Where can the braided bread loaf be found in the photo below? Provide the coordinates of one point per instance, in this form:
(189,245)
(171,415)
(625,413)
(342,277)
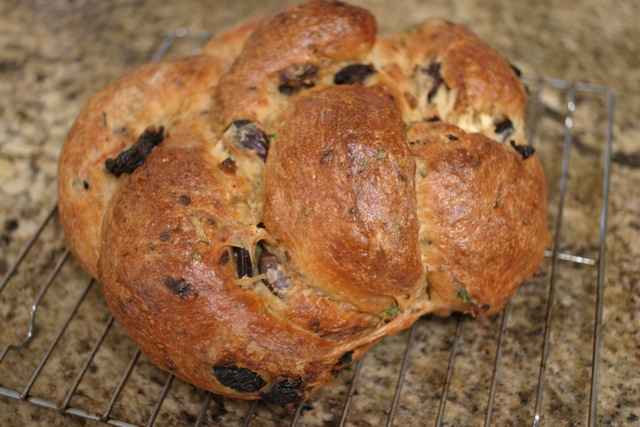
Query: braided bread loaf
(259,215)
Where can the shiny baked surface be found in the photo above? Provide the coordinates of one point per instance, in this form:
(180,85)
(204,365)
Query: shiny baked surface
(274,208)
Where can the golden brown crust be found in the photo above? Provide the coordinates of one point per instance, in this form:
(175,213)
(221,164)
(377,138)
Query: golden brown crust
(287,53)
(482,210)
(173,284)
(316,188)
(169,94)
(172,270)
(339,165)
(483,79)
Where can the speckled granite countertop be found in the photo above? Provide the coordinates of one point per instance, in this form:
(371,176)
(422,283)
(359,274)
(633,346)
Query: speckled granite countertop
(56,53)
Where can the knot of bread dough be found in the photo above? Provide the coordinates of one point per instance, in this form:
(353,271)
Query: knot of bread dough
(261,214)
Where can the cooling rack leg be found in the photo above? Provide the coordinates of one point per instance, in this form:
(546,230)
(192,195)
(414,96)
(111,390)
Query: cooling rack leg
(403,372)
(496,365)
(534,109)
(447,381)
(568,124)
(352,389)
(250,412)
(597,333)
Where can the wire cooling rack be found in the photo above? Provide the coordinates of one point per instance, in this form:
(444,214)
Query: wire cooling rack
(536,363)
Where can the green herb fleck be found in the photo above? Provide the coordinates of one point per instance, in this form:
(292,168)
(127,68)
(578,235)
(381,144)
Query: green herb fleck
(381,154)
(463,294)
(423,173)
(392,310)
(363,165)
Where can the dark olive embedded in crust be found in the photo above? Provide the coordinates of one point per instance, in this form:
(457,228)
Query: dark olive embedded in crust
(239,379)
(134,157)
(243,261)
(180,287)
(356,73)
(346,358)
(434,72)
(284,392)
(297,77)
(269,265)
(248,135)
(504,129)
(525,151)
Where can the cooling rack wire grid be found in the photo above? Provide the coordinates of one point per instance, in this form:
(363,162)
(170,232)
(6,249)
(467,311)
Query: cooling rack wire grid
(455,371)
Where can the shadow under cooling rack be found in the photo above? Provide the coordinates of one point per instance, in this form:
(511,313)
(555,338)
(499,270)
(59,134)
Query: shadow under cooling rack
(539,360)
